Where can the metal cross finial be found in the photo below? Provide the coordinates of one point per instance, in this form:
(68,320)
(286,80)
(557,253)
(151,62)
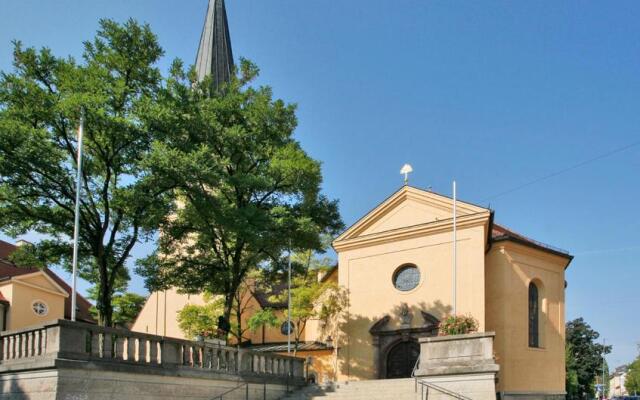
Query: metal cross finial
(406,170)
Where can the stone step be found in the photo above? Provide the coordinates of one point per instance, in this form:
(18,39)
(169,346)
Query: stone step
(393,389)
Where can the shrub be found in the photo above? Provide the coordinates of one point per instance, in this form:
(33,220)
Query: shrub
(458,325)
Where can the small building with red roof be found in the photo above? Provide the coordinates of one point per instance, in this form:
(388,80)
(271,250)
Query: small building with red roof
(30,296)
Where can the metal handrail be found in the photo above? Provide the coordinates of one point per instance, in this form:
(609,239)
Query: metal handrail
(244,384)
(440,389)
(432,386)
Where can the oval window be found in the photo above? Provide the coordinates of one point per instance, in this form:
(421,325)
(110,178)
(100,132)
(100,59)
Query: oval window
(284,326)
(40,308)
(406,277)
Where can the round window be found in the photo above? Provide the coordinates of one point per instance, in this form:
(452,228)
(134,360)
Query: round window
(40,308)
(406,277)
(284,326)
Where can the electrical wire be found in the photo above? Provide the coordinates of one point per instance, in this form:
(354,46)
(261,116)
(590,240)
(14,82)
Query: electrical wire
(562,171)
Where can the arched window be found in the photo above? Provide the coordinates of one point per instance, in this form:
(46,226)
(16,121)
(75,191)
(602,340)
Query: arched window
(534,316)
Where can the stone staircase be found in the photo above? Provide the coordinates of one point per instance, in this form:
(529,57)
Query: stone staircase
(394,389)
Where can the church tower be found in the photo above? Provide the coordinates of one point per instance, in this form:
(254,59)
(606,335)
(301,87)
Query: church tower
(215,57)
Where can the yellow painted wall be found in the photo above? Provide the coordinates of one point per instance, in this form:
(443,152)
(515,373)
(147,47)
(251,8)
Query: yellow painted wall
(160,304)
(367,274)
(21,298)
(510,269)
(152,317)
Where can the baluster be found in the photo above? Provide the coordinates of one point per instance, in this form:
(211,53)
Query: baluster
(23,345)
(95,344)
(219,360)
(186,354)
(43,338)
(119,347)
(234,361)
(14,346)
(208,358)
(153,352)
(27,344)
(131,348)
(107,351)
(3,355)
(142,350)
(10,347)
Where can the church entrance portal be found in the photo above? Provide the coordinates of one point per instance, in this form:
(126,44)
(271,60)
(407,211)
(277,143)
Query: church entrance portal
(396,348)
(401,359)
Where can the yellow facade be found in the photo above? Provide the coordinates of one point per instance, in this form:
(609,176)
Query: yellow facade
(25,290)
(511,268)
(493,271)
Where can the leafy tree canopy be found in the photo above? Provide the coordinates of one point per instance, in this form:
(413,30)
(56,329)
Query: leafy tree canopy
(40,106)
(632,381)
(247,191)
(585,358)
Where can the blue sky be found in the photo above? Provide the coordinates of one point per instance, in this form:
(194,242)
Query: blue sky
(493,94)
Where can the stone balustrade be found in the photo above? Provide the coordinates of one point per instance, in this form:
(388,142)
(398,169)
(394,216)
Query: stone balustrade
(66,340)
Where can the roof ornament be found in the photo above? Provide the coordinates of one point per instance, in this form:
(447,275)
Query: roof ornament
(406,170)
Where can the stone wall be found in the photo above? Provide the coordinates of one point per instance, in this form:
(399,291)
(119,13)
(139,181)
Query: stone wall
(458,365)
(97,384)
(70,360)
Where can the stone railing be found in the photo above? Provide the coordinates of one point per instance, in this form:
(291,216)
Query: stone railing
(66,340)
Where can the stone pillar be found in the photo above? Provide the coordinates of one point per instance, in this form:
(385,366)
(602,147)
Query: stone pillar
(461,364)
(170,353)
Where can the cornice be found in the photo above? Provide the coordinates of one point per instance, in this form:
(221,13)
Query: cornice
(429,228)
(435,200)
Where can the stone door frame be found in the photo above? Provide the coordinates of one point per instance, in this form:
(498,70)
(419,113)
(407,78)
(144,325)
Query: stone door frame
(385,339)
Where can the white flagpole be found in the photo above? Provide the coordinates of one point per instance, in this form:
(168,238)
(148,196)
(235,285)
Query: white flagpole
(455,249)
(289,305)
(76,226)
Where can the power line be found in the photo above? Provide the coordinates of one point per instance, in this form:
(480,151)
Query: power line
(562,171)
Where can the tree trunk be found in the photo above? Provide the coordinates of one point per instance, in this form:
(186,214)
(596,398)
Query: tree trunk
(239,322)
(105,309)
(228,308)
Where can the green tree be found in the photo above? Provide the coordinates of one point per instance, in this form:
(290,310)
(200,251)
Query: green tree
(202,320)
(307,291)
(632,381)
(126,305)
(247,190)
(40,106)
(586,356)
(571,383)
(262,318)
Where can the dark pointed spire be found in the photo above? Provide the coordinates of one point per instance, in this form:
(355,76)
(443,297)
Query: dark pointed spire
(215,57)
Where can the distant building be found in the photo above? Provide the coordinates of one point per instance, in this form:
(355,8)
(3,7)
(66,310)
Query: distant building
(30,296)
(617,380)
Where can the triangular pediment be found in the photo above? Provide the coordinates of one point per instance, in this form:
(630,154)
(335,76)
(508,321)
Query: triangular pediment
(40,280)
(408,207)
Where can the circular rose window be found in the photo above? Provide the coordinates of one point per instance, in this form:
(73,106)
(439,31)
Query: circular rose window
(285,328)
(40,308)
(406,278)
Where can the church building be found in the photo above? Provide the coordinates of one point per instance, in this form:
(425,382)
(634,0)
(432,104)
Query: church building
(396,263)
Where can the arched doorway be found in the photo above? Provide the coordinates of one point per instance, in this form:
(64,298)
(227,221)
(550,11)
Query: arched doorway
(401,358)
(385,339)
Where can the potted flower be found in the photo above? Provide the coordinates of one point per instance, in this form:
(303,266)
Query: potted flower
(458,325)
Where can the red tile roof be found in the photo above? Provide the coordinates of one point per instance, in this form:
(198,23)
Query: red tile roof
(500,232)
(9,270)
